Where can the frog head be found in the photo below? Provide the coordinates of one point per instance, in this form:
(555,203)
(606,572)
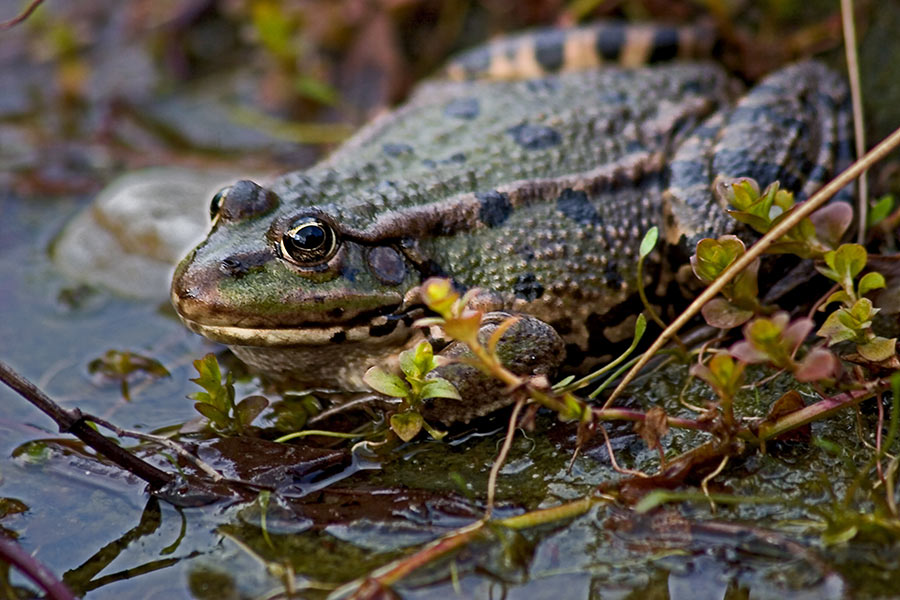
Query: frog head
(291,286)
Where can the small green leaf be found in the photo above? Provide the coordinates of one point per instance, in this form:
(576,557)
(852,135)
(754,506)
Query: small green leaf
(424,358)
(839,536)
(407,425)
(722,314)
(386,383)
(881,209)
(870,281)
(210,377)
(842,297)
(567,380)
(649,241)
(714,256)
(436,434)
(640,326)
(573,408)
(834,330)
(217,417)
(878,349)
(408,363)
(249,408)
(848,260)
(439,388)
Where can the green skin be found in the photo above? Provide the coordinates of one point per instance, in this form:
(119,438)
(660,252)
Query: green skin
(535,192)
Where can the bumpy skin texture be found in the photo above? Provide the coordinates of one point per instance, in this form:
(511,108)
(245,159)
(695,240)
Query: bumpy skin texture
(538,192)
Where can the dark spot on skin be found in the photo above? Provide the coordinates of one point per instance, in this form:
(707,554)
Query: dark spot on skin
(384,329)
(495,208)
(613,98)
(527,287)
(575,205)
(665,44)
(635,146)
(610,41)
(457,158)
(429,163)
(612,277)
(238,265)
(339,337)
(526,252)
(387,264)
(692,86)
(394,150)
(336,313)
(542,85)
(548,49)
(534,137)
(462,108)
(245,200)
(562,326)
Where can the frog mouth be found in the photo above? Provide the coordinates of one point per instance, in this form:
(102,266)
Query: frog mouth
(365,328)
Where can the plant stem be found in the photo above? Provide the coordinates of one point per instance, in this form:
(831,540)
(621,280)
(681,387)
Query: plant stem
(72,421)
(13,554)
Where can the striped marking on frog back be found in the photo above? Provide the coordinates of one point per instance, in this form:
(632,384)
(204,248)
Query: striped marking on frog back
(543,51)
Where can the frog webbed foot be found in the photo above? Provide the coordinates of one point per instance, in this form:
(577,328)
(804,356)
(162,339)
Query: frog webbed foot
(529,347)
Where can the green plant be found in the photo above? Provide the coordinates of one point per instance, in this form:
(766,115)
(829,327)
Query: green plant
(217,404)
(853,320)
(412,389)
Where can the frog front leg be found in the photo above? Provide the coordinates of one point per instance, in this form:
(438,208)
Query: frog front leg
(529,347)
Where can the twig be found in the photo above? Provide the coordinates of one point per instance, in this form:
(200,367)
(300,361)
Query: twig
(704,485)
(802,211)
(13,554)
(72,421)
(859,131)
(4,25)
(501,458)
(383,578)
(162,441)
(612,457)
(822,409)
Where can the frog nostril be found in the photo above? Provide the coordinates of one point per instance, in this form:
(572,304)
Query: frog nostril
(233,266)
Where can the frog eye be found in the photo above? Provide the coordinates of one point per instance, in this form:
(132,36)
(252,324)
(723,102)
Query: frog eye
(215,205)
(309,241)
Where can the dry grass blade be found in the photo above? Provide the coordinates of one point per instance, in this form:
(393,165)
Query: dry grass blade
(859,131)
(4,25)
(501,458)
(804,210)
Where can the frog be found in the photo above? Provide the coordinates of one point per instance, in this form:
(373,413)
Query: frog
(529,172)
